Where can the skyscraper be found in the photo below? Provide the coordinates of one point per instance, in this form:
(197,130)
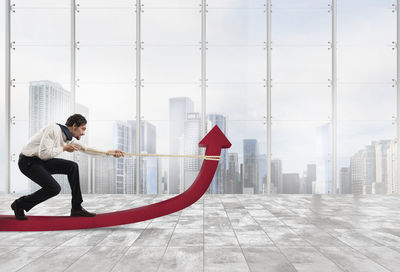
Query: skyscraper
(122,140)
(49,103)
(311,177)
(323,183)
(357,172)
(192,137)
(262,173)
(381,153)
(276,176)
(216,186)
(250,164)
(179,107)
(344,179)
(232,183)
(370,168)
(148,165)
(393,182)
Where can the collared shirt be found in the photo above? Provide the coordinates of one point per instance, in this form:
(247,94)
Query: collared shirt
(48,143)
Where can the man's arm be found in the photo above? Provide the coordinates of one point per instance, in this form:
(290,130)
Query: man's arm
(92,151)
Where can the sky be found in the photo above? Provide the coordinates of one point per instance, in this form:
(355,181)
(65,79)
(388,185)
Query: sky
(236,68)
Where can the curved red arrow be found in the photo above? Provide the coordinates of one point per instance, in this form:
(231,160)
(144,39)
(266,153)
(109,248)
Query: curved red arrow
(214,141)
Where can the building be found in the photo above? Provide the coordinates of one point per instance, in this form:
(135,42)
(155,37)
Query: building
(250,165)
(345,181)
(381,169)
(276,176)
(357,172)
(179,107)
(232,183)
(216,186)
(311,177)
(393,182)
(49,103)
(192,137)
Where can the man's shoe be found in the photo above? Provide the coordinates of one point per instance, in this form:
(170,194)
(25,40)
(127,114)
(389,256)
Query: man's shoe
(19,212)
(82,212)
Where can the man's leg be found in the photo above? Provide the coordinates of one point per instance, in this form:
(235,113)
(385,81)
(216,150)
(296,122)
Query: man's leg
(70,168)
(33,168)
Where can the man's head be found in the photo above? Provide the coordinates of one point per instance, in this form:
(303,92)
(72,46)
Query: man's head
(76,125)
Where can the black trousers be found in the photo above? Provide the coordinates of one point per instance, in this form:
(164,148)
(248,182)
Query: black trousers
(40,172)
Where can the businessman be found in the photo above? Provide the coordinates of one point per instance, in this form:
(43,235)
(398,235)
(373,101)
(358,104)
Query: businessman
(37,161)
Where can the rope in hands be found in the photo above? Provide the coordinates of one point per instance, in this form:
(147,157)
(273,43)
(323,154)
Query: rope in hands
(210,158)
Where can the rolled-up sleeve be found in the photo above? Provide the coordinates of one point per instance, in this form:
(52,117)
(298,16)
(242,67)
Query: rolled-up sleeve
(47,150)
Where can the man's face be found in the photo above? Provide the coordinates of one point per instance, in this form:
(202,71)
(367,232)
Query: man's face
(77,132)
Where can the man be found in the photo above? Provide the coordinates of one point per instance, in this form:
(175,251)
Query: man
(37,161)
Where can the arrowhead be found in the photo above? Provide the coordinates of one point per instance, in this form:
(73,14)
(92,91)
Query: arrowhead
(215,137)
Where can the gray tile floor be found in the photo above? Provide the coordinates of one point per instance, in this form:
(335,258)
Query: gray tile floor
(218,233)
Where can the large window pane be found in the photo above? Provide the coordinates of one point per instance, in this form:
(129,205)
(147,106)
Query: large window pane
(236,27)
(367,157)
(305,4)
(301,64)
(301,157)
(367,22)
(171,94)
(106,26)
(41,26)
(171,26)
(366,134)
(294,27)
(175,64)
(361,64)
(242,168)
(236,64)
(106,64)
(31,63)
(368,102)
(301,102)
(103,106)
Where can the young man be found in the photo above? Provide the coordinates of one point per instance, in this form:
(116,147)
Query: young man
(37,161)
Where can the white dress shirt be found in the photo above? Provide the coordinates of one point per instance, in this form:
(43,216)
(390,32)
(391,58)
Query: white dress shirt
(48,143)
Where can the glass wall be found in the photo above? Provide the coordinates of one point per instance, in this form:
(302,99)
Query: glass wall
(171,93)
(236,92)
(301,97)
(366,97)
(49,70)
(40,74)
(106,92)
(2,107)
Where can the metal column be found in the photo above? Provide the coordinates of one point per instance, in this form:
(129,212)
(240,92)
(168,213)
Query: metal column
(138,91)
(398,94)
(268,85)
(7,97)
(334,95)
(73,56)
(203,68)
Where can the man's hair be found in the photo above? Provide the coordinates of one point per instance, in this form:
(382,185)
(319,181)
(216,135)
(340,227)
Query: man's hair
(77,119)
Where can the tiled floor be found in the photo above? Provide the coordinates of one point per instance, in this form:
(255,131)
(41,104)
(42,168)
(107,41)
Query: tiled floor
(218,233)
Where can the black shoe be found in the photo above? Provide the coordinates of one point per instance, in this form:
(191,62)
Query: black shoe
(81,212)
(19,212)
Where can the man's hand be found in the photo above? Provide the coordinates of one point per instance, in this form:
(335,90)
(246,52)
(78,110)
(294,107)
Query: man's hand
(70,148)
(117,153)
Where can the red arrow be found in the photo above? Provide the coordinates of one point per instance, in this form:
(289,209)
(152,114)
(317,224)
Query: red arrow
(214,141)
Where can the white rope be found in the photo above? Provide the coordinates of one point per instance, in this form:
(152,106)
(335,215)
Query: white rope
(210,158)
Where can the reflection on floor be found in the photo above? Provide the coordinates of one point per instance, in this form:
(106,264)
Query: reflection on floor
(218,233)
